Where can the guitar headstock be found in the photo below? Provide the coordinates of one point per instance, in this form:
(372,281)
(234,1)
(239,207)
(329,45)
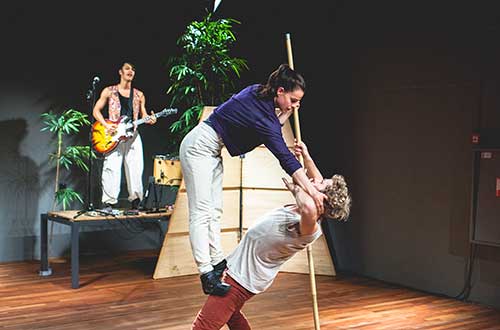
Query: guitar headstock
(165,112)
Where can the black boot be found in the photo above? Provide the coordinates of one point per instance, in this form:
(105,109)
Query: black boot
(220,268)
(212,285)
(134,205)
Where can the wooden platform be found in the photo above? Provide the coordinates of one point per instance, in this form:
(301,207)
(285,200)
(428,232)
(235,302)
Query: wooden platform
(118,293)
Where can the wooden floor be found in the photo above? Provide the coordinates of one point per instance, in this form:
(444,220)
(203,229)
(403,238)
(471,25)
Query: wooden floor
(119,293)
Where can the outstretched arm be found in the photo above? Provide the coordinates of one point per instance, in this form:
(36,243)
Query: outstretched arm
(307,208)
(309,173)
(312,171)
(275,143)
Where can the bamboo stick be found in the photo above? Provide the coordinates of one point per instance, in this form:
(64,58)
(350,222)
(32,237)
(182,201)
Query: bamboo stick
(312,278)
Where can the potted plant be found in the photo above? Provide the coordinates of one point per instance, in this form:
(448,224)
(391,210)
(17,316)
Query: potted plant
(203,73)
(66,124)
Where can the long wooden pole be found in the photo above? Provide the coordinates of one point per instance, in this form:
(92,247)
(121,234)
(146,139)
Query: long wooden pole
(312,278)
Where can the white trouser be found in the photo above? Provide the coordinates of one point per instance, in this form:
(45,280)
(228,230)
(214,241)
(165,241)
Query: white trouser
(128,153)
(201,162)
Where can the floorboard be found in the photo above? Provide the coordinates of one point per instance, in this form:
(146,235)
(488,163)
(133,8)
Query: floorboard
(118,293)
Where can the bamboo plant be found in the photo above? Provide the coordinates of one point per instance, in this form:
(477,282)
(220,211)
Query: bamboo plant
(204,72)
(63,125)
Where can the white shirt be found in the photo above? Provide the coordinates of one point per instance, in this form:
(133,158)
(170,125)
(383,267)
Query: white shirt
(271,241)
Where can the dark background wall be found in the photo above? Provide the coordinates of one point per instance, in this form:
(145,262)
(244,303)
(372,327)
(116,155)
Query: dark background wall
(395,89)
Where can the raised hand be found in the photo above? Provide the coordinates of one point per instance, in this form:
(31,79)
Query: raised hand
(300,149)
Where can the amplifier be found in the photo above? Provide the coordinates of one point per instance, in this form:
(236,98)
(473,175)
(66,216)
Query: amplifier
(167,171)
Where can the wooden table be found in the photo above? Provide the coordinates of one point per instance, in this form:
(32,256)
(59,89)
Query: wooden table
(68,218)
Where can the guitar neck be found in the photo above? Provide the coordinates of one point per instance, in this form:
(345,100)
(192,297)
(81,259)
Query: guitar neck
(143,120)
(163,113)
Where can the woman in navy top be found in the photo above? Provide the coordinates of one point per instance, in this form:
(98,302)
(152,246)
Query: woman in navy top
(245,121)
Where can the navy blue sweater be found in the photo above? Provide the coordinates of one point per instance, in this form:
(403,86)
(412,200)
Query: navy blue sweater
(246,121)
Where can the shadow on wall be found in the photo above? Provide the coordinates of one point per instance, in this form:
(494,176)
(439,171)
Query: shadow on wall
(19,190)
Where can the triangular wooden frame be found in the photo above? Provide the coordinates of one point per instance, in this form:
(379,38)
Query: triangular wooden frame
(258,176)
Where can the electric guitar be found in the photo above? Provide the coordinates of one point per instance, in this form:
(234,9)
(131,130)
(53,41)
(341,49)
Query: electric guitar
(104,142)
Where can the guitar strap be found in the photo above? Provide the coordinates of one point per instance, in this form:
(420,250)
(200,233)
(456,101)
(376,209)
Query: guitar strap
(131,101)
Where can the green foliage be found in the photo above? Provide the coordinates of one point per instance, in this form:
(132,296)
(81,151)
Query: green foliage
(67,123)
(77,155)
(65,196)
(204,72)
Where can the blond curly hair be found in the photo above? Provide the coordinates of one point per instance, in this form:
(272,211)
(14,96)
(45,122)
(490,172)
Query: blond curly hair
(338,204)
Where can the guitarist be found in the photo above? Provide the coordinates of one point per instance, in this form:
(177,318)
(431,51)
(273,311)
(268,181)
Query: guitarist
(123,99)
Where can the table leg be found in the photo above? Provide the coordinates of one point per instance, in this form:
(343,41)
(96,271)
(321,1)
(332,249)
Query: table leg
(75,255)
(45,270)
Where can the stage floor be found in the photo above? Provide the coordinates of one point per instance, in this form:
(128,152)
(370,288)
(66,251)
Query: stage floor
(118,292)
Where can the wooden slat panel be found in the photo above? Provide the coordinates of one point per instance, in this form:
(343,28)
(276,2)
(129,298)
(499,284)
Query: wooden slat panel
(176,258)
(262,170)
(179,221)
(257,202)
(232,170)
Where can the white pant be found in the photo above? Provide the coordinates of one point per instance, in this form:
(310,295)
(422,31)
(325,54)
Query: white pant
(128,153)
(201,162)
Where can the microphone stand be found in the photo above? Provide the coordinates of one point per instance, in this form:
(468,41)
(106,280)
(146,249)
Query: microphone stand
(91,100)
